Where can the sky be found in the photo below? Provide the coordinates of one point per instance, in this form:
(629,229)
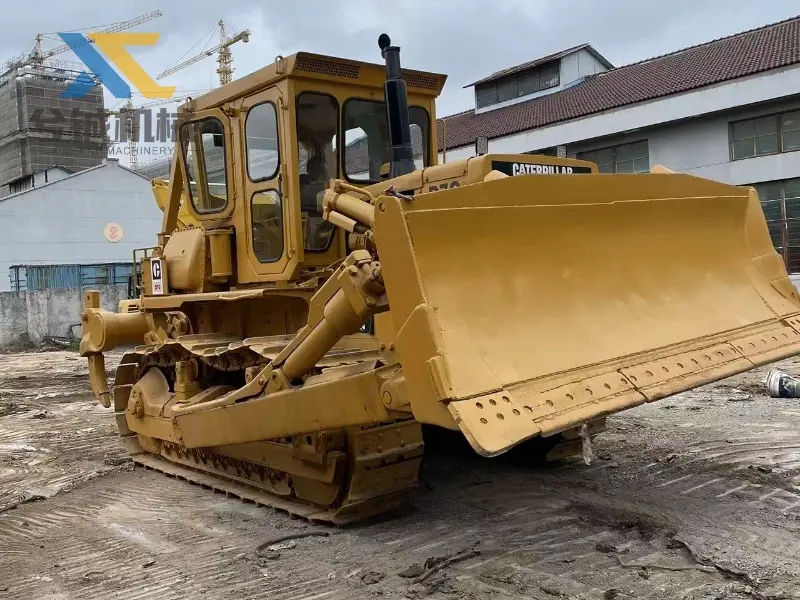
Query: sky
(465,39)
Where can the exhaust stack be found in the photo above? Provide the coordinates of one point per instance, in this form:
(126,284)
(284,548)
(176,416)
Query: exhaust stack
(401,155)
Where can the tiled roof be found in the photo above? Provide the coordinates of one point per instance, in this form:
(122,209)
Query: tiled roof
(769,47)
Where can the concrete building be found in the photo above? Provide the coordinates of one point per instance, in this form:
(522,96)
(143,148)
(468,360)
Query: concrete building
(95,216)
(40,129)
(728,110)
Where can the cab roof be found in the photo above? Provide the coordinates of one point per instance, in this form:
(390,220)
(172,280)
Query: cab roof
(316,66)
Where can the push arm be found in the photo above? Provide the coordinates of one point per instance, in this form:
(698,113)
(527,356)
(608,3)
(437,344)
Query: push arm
(342,305)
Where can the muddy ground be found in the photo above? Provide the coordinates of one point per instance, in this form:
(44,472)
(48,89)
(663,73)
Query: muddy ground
(696,496)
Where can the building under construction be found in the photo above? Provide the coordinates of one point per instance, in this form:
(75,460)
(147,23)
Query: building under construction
(40,129)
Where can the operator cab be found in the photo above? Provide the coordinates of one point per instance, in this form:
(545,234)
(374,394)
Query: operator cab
(257,155)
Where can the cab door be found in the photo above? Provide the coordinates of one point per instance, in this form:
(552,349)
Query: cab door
(270,252)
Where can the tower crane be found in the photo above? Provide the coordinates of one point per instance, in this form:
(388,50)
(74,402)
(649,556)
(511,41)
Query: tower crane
(38,56)
(223,51)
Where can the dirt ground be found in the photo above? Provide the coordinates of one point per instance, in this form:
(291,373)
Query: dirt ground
(696,496)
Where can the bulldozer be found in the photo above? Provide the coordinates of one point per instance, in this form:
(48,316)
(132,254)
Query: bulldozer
(322,287)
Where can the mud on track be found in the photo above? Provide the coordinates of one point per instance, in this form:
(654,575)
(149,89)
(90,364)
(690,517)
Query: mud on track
(694,496)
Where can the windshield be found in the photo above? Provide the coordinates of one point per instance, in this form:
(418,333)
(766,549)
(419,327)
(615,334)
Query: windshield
(203,145)
(366,139)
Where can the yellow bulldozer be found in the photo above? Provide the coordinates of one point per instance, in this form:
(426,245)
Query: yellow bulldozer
(321,288)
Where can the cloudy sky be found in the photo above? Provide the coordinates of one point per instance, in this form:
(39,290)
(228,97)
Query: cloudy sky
(465,39)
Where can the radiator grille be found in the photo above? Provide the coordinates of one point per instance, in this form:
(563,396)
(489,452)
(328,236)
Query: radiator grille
(421,81)
(326,66)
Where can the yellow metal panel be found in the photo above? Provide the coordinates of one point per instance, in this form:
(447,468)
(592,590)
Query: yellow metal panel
(155,427)
(769,345)
(353,400)
(533,283)
(378,482)
(161,191)
(493,422)
(185,259)
(563,278)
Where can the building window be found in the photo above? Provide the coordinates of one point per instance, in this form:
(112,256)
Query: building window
(765,135)
(517,85)
(624,158)
(486,95)
(20,185)
(507,89)
(780,201)
(790,131)
(549,76)
(528,82)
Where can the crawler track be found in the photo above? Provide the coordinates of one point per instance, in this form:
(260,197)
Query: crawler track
(363,490)
(248,493)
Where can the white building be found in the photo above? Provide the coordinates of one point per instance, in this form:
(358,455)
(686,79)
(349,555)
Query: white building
(728,110)
(81,222)
(35,179)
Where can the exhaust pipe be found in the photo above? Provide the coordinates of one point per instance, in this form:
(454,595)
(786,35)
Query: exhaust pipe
(394,89)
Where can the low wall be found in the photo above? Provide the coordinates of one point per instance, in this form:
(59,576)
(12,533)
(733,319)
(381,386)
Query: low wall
(30,317)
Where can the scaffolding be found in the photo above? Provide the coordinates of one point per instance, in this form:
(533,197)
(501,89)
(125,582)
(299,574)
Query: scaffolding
(40,129)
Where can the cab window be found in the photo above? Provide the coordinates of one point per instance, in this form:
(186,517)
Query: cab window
(317,123)
(267,219)
(261,138)
(366,139)
(203,144)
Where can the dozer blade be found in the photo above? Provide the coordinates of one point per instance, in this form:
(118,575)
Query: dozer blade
(529,305)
